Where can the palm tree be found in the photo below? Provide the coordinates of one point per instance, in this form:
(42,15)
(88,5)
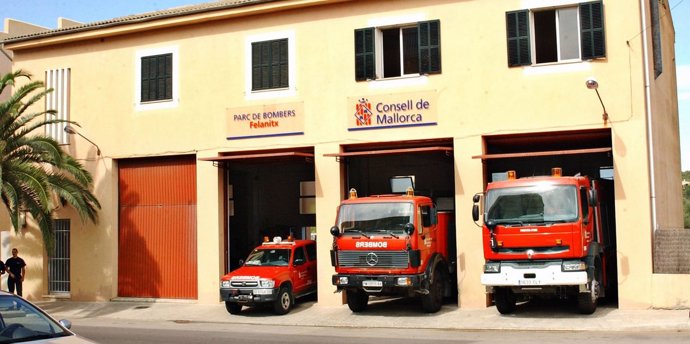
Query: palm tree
(37,176)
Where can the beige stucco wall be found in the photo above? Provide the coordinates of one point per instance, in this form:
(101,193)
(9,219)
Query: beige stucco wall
(477,95)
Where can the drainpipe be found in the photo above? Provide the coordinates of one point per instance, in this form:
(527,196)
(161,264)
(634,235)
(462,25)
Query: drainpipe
(648,108)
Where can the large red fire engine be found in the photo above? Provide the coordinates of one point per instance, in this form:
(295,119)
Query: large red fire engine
(392,245)
(544,235)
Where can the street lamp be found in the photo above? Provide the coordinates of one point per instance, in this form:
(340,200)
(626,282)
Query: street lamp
(70,130)
(592,84)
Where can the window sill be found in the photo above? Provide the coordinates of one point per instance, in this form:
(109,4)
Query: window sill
(401,81)
(558,67)
(156,105)
(271,93)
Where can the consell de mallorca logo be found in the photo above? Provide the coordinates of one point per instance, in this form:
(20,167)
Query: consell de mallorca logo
(394,111)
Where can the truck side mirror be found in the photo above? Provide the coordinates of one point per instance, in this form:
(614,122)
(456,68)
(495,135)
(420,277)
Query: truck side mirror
(409,228)
(475,212)
(298,262)
(335,231)
(476,198)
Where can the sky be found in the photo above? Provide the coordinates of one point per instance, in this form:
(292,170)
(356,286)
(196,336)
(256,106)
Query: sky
(46,12)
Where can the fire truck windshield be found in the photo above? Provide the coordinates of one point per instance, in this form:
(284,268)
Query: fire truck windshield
(363,218)
(268,257)
(545,203)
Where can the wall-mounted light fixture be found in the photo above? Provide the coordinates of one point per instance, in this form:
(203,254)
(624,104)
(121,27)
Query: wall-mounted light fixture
(592,84)
(70,130)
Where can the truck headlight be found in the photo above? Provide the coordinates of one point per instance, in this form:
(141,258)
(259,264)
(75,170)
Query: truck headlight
(267,283)
(225,284)
(492,267)
(573,265)
(342,280)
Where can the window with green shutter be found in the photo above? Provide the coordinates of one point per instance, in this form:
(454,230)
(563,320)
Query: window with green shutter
(156,77)
(552,35)
(365,63)
(270,65)
(592,30)
(429,47)
(405,50)
(517,28)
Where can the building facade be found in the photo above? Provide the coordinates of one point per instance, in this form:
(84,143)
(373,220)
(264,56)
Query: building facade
(217,124)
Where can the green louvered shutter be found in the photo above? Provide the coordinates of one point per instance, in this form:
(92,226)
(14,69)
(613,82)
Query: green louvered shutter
(365,63)
(270,65)
(429,46)
(517,28)
(592,30)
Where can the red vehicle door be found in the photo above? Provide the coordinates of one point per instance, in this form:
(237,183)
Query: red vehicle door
(300,271)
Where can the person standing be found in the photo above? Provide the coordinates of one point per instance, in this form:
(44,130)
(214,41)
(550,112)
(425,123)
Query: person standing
(16,268)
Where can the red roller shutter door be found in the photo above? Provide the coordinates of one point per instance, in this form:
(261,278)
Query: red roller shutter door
(157,228)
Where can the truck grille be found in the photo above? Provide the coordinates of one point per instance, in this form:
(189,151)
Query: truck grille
(373,259)
(241,284)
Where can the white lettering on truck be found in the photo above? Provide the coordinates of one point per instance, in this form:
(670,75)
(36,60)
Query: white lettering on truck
(371,244)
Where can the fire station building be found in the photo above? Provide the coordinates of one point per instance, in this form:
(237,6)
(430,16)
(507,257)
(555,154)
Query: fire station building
(210,126)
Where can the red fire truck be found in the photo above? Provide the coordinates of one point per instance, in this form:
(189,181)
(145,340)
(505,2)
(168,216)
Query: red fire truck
(544,236)
(392,245)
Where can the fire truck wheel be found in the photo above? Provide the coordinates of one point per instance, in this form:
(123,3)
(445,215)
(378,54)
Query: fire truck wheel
(233,308)
(357,300)
(587,302)
(505,300)
(283,303)
(432,302)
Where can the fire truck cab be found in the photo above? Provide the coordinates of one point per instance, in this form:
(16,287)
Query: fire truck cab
(543,236)
(392,245)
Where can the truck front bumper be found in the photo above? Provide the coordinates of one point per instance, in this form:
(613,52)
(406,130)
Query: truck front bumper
(376,283)
(533,274)
(248,296)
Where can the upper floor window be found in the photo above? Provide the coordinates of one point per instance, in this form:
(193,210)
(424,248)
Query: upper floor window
(270,64)
(58,103)
(556,35)
(157,78)
(389,52)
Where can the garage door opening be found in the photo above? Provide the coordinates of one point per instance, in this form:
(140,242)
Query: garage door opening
(268,194)
(368,168)
(586,153)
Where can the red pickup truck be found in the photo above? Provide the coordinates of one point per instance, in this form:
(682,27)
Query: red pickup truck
(276,272)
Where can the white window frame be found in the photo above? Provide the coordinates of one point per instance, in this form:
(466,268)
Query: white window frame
(291,90)
(379,51)
(406,80)
(160,104)
(533,40)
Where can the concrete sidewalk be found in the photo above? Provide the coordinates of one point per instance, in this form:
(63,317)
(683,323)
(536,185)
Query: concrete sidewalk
(384,314)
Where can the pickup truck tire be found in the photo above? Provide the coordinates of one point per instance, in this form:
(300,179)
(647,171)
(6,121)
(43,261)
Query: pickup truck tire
(505,300)
(233,308)
(357,300)
(433,301)
(284,301)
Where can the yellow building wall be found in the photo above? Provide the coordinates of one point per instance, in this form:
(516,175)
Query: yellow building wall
(477,95)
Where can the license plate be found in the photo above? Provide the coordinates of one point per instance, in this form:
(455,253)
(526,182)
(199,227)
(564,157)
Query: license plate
(528,282)
(372,283)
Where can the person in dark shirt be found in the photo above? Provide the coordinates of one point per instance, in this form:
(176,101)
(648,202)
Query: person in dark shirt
(16,268)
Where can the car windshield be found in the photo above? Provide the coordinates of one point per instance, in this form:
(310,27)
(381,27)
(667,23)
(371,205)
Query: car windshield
(375,217)
(268,257)
(20,321)
(532,204)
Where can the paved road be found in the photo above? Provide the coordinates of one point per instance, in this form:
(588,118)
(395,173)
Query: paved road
(128,332)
